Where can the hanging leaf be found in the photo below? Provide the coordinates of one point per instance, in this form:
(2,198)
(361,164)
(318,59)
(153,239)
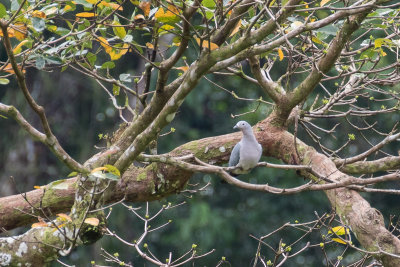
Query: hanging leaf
(86,15)
(115,89)
(3,11)
(165,29)
(138,18)
(170,16)
(379,42)
(114,6)
(18,48)
(8,68)
(119,31)
(116,53)
(104,43)
(20,30)
(92,221)
(236,29)
(4,81)
(316,40)
(145,6)
(280,53)
(72,174)
(38,14)
(150,46)
(339,230)
(183,68)
(206,44)
(112,169)
(338,240)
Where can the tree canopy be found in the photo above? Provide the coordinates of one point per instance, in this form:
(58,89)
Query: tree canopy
(318,79)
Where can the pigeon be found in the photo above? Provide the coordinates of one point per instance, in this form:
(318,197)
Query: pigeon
(247,152)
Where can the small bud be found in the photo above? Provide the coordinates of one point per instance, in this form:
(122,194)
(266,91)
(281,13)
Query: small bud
(194,246)
(116,254)
(145,245)
(223,258)
(321,245)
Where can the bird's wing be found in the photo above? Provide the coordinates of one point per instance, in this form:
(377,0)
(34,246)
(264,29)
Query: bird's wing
(235,156)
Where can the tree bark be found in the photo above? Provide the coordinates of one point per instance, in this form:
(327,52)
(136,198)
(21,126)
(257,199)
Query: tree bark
(158,180)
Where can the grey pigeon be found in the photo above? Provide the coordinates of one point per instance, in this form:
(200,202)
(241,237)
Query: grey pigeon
(247,152)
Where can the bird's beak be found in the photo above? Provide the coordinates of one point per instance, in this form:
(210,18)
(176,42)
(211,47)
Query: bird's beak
(235,127)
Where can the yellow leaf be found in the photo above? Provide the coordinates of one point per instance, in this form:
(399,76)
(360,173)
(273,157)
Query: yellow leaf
(339,230)
(205,44)
(165,28)
(93,2)
(37,186)
(98,169)
(67,8)
(145,6)
(338,240)
(18,49)
(86,15)
(236,29)
(38,14)
(64,216)
(18,30)
(92,221)
(119,31)
(114,6)
(39,224)
(316,40)
(280,53)
(323,2)
(138,17)
(169,16)
(8,68)
(149,45)
(117,53)
(112,169)
(183,68)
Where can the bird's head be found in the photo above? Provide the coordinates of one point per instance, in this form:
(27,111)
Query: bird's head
(242,125)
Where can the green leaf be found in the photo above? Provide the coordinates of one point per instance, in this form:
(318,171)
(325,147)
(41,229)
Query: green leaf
(100,175)
(119,31)
(40,62)
(4,81)
(208,3)
(108,65)
(125,77)
(382,41)
(14,5)
(91,58)
(72,174)
(3,11)
(60,184)
(112,169)
(39,24)
(84,3)
(329,29)
(115,89)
